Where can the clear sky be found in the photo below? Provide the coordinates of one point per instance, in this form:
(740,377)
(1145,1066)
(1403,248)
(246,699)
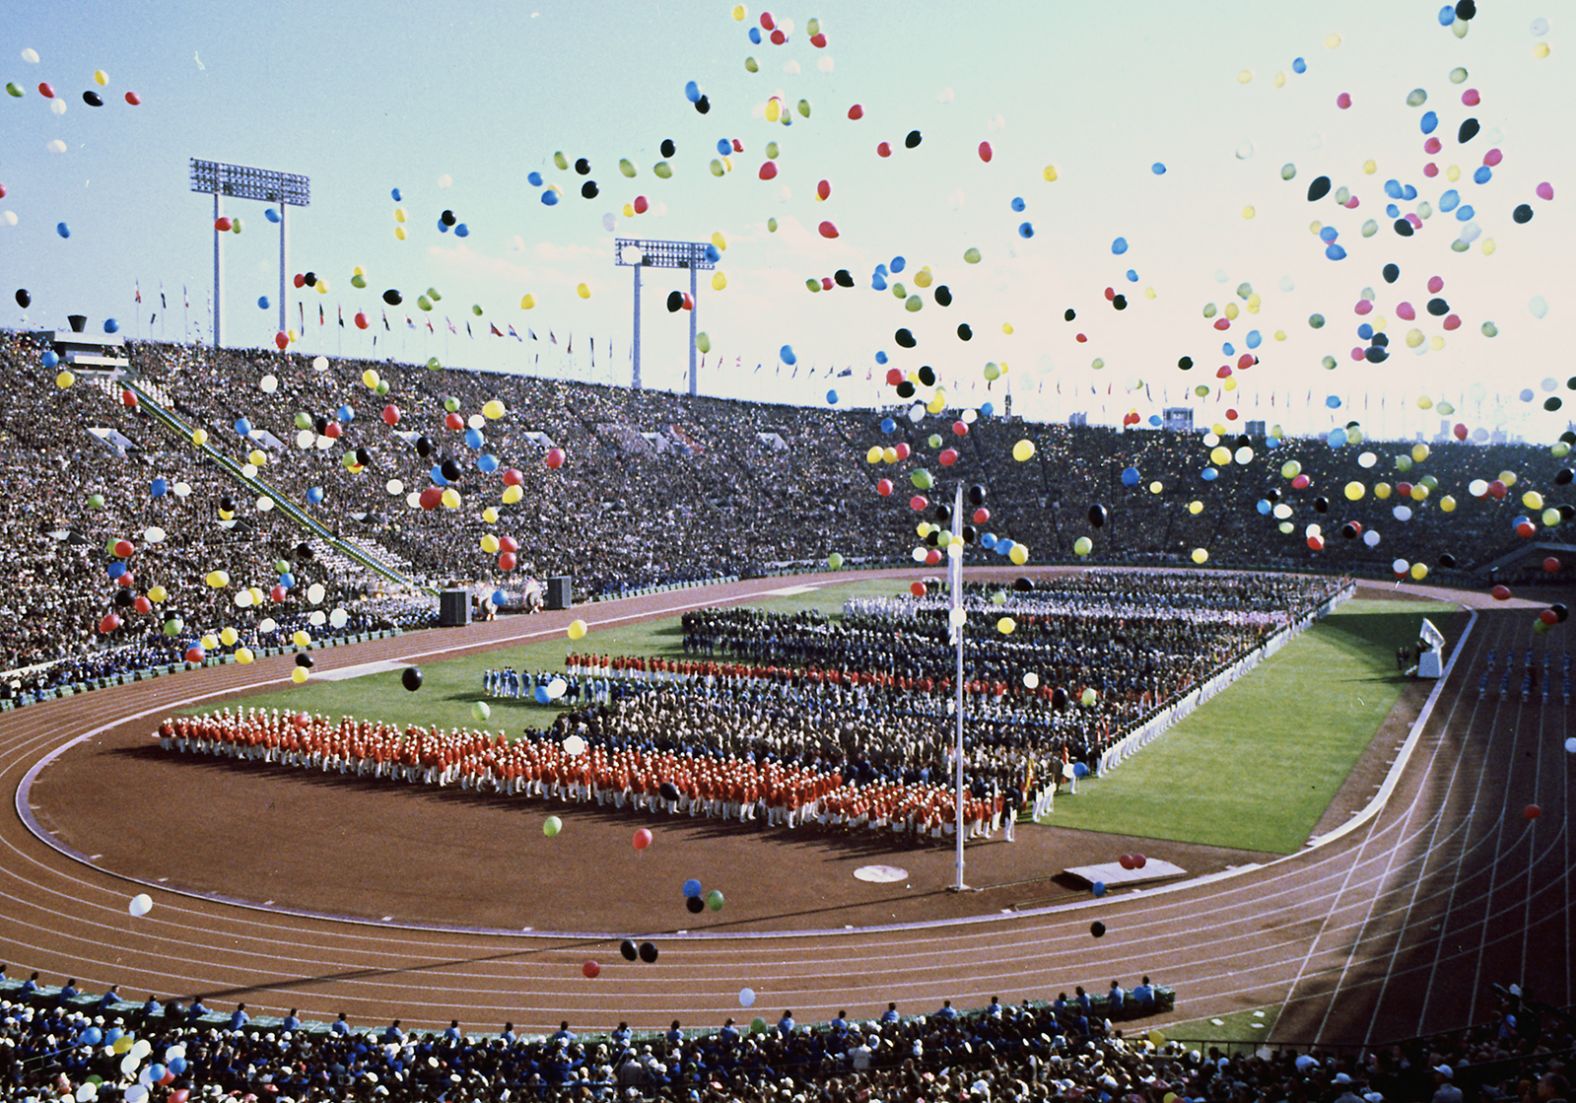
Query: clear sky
(455,104)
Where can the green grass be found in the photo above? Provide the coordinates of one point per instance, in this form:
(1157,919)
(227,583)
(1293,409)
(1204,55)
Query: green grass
(1237,1026)
(451,686)
(1255,768)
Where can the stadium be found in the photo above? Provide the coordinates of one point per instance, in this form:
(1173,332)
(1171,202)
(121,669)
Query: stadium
(996,608)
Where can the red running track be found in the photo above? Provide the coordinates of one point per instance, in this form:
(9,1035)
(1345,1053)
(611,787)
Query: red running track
(1386,932)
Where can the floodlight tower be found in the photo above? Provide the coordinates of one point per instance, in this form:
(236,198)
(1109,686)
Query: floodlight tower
(637,253)
(287,189)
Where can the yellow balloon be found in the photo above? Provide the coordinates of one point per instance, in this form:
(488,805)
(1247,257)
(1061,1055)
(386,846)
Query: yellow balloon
(719,241)
(217,580)
(512,494)
(399,214)
(399,233)
(874,455)
(244,656)
(1200,556)
(299,675)
(889,454)
(100,78)
(257,458)
(1419,452)
(157,594)
(1023,450)
(369,379)
(490,515)
(301,637)
(199,437)
(719,281)
(1355,491)
(739,13)
(1195,507)
(1419,571)
(209,642)
(1532,500)
(1006,625)
(1447,504)
(493,410)
(583,291)
(64,380)
(527,301)
(1019,555)
(451,498)
(577,629)
(1049,173)
(489,543)
(228,636)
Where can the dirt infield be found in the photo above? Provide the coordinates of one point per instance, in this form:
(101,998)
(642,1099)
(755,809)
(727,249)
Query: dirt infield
(1350,934)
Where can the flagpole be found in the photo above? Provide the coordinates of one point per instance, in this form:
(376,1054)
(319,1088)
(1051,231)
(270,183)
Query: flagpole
(956,574)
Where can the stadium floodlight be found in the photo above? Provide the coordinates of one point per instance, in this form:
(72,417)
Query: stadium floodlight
(286,189)
(638,253)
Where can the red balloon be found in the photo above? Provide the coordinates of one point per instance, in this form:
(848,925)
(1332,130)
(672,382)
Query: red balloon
(591,970)
(981,515)
(555,458)
(918,503)
(1139,861)
(361,319)
(768,170)
(124,549)
(109,623)
(818,40)
(1315,543)
(917,589)
(1460,431)
(1498,489)
(300,280)
(856,112)
(454,421)
(46,90)
(826,283)
(128,400)
(1548,617)
(766,21)
(687,302)
(986,153)
(960,428)
(884,487)
(126,581)
(512,476)
(282,339)
(180,1095)
(278,593)
(894,376)
(948,457)
(824,189)
(1125,861)
(391,414)
(1500,592)
(642,204)
(1552,564)
(431,497)
(333,430)
(133,99)
(222,224)
(738,146)
(903,450)
(143,605)
(1532,811)
(507,561)
(642,838)
(1526,530)
(778,37)
(1301,482)
(932,557)
(884,149)
(508,544)
(1404,490)
(195,655)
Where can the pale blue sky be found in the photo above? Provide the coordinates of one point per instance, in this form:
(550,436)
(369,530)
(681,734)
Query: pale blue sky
(364,97)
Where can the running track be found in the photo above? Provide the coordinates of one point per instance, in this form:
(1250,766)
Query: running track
(1385,933)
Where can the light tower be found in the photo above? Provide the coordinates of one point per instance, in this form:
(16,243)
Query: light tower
(286,189)
(638,253)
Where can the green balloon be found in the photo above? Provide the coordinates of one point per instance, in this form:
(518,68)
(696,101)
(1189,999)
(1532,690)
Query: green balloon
(702,342)
(921,479)
(771,151)
(423,303)
(95,501)
(971,255)
(303,420)
(751,65)
(560,160)
(476,309)
(434,364)
(451,405)
(626,166)
(835,562)
(358,281)
(14,88)
(665,170)
(714,898)
(716,167)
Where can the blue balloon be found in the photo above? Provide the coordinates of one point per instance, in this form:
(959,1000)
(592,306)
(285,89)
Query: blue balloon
(988,540)
(62,229)
(1080,769)
(1447,15)
(1003,545)
(437,476)
(1154,419)
(1392,211)
(1098,888)
(549,198)
(831,398)
(499,597)
(541,695)
(51,359)
(1228,349)
(243,428)
(888,426)
(534,178)
(878,282)
(156,1072)
(473,438)
(1026,229)
(724,147)
(786,353)
(1482,174)
(1130,476)
(287,580)
(1428,124)
(462,230)
(1018,204)
(111,325)
(314,494)
(262,302)
(178,1065)
(487,463)
(1365,331)
(1158,168)
(1392,187)
(272,215)
(1254,339)
(115,569)
(92,1036)
(1336,438)
(1409,192)
(1464,213)
(1263,506)
(1119,246)
(1299,65)
(1132,275)
(1333,402)
(443,227)
(692,91)
(160,487)
(112,1034)
(987,409)
(395,194)
(1328,234)
(1209,474)
(691,887)
(1449,200)
(898,264)
(345,413)
(1334,252)
(755,36)
(881,357)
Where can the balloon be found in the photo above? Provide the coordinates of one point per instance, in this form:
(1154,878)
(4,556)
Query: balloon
(642,838)
(591,970)
(648,953)
(552,826)
(140,905)
(577,630)
(411,678)
(480,711)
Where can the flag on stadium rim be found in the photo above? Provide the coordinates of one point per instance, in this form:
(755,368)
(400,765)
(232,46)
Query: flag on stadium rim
(341,315)
(410,323)
(138,295)
(162,304)
(468,332)
(496,332)
(320,314)
(450,322)
(385,319)
(513,334)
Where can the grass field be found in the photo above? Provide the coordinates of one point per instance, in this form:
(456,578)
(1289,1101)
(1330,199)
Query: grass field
(451,686)
(1236,1026)
(1256,767)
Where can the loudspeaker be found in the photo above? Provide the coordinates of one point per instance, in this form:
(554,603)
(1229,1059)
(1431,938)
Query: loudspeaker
(454,609)
(78,322)
(560,592)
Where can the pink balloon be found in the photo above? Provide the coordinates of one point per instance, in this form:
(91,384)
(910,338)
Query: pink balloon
(642,838)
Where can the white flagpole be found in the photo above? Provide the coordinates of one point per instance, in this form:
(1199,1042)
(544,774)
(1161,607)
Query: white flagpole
(955,565)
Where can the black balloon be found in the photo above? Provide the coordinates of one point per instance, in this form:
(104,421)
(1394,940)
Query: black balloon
(943,295)
(694,905)
(124,597)
(1468,130)
(589,190)
(23,298)
(1560,610)
(1119,302)
(320,423)
(582,166)
(905,389)
(227,503)
(675,301)
(628,950)
(970,534)
(843,278)
(363,455)
(913,139)
(423,446)
(669,791)
(1564,476)
(1058,698)
(393,297)
(1447,560)
(1522,214)
(1392,272)
(1069,315)
(1097,929)
(904,338)
(965,332)
(1321,504)
(303,550)
(648,952)
(1438,307)
(1403,227)
(410,678)
(447,218)
(977,494)
(304,660)
(927,375)
(311,279)
(1318,188)
(1186,363)
(450,469)
(1097,515)
(92,98)
(943,514)
(668,148)
(703,105)
(1022,585)
(1466,9)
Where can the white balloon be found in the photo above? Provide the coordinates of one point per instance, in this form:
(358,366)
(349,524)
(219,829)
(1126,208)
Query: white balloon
(141,1048)
(249,470)
(396,488)
(1402,513)
(315,592)
(556,689)
(243,599)
(318,618)
(182,489)
(30,56)
(264,504)
(575,746)
(268,384)
(319,363)
(1371,538)
(476,421)
(58,106)
(140,905)
(57,146)
(413,500)
(128,1065)
(339,618)
(153,534)
(9,218)
(304,439)
(267,624)
(1031,680)
(323,444)
(956,617)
